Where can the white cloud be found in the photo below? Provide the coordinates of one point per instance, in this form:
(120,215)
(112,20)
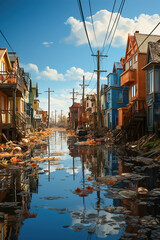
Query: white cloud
(143,23)
(47,44)
(30,67)
(52,74)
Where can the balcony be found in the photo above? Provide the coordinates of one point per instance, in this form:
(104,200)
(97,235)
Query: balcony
(8,81)
(128,77)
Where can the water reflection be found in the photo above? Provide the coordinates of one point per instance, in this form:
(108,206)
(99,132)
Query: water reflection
(105,212)
(15,198)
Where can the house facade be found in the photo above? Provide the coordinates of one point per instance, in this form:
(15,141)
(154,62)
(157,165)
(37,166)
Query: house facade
(91,110)
(133,116)
(152,69)
(116,96)
(12,88)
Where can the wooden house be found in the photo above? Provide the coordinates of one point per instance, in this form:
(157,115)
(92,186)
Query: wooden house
(132,117)
(12,87)
(152,68)
(116,96)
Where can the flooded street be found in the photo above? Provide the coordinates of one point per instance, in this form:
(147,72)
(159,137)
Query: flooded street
(89,192)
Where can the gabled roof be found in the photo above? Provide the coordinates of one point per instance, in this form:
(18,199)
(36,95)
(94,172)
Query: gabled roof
(153,54)
(3,51)
(117,65)
(141,37)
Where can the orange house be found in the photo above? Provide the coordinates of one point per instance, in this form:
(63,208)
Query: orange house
(12,89)
(5,66)
(135,78)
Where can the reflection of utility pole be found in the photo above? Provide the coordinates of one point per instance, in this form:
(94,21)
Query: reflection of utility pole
(73,170)
(83,96)
(48,161)
(61,140)
(55,116)
(99,119)
(73,115)
(49,91)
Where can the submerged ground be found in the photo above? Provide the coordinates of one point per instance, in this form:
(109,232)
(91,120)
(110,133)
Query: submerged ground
(87,192)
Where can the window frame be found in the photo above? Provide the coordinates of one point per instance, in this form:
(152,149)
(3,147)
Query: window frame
(133,91)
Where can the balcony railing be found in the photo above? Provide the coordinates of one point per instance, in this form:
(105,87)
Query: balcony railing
(128,77)
(12,78)
(17,121)
(137,108)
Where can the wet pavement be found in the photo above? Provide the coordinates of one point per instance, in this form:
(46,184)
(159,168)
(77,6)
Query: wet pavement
(87,192)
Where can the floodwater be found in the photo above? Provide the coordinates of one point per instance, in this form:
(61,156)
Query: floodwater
(59,212)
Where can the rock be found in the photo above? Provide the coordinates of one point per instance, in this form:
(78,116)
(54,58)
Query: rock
(24,140)
(128,194)
(142,190)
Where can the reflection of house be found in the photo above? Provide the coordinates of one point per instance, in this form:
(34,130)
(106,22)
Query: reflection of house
(132,117)
(115,97)
(12,88)
(111,163)
(153,86)
(91,110)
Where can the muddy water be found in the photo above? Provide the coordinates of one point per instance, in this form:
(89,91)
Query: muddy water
(46,205)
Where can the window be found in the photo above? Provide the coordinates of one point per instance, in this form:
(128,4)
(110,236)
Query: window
(133,91)
(87,104)
(92,104)
(135,58)
(157,81)
(151,79)
(120,97)
(130,63)
(2,67)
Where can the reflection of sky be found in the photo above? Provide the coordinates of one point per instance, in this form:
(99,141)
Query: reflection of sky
(62,184)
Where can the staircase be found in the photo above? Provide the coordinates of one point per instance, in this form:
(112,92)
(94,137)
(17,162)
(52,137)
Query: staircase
(13,128)
(134,123)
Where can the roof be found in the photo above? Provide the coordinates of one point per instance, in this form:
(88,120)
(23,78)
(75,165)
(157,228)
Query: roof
(153,54)
(141,37)
(154,48)
(3,51)
(12,56)
(117,65)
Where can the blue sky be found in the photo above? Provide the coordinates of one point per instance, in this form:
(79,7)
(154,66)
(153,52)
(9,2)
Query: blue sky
(50,41)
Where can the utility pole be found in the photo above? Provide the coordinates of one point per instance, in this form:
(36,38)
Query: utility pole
(61,115)
(83,95)
(99,118)
(55,116)
(49,91)
(73,115)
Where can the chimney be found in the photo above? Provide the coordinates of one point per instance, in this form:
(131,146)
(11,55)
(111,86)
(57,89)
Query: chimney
(136,31)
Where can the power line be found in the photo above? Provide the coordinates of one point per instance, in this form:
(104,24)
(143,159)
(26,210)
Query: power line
(92,89)
(92,22)
(148,35)
(6,40)
(91,79)
(122,5)
(109,25)
(84,24)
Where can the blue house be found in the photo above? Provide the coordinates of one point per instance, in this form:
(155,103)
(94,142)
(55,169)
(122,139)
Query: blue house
(115,96)
(153,86)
